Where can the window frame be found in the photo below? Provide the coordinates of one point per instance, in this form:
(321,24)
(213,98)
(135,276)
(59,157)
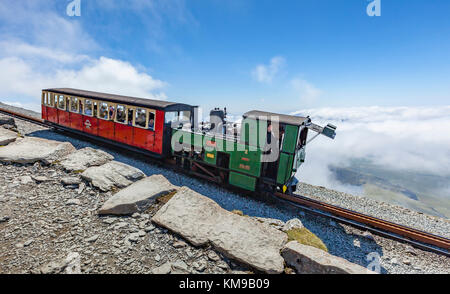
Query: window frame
(111,104)
(98,110)
(126,108)
(64,102)
(92,107)
(80,111)
(154,120)
(71,100)
(146,117)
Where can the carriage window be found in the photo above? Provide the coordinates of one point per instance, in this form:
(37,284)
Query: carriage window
(88,107)
(141,118)
(67,103)
(74,104)
(121,115)
(112,112)
(130,116)
(60,102)
(55,100)
(103,111)
(151,121)
(95,108)
(47,100)
(80,106)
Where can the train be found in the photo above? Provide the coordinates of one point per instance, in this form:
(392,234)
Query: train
(261,153)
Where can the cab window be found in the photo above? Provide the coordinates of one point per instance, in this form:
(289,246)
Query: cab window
(171,117)
(88,107)
(103,110)
(121,114)
(141,118)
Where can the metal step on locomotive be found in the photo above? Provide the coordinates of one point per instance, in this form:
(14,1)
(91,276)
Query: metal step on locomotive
(261,153)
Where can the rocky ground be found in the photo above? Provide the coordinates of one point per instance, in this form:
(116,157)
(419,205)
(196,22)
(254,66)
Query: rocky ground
(42,222)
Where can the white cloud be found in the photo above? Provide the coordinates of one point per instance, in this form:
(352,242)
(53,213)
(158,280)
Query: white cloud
(41,49)
(104,74)
(305,92)
(400,138)
(266,73)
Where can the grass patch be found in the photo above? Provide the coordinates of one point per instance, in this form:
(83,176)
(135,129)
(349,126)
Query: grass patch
(305,237)
(239,212)
(166,198)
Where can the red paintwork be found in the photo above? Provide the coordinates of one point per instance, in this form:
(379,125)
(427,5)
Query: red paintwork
(63,118)
(90,125)
(159,129)
(124,133)
(44,112)
(52,115)
(143,138)
(106,129)
(76,121)
(133,136)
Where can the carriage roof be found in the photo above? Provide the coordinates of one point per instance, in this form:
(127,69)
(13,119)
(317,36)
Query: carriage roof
(283,118)
(134,101)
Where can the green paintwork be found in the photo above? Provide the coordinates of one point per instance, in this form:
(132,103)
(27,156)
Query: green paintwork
(245,159)
(238,160)
(243,181)
(284,168)
(290,139)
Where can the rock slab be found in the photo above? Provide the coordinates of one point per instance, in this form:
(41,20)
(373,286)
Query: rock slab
(30,150)
(137,197)
(85,158)
(310,260)
(112,174)
(201,221)
(7,136)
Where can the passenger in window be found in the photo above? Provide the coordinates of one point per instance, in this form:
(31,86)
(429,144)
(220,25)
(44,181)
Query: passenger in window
(80,107)
(151,124)
(111,113)
(130,117)
(121,116)
(140,120)
(104,111)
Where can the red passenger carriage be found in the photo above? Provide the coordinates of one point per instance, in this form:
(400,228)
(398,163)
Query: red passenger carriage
(143,124)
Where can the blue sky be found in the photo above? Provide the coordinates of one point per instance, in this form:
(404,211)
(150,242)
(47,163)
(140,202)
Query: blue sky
(252,54)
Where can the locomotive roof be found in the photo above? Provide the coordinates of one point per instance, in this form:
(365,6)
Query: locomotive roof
(283,118)
(150,103)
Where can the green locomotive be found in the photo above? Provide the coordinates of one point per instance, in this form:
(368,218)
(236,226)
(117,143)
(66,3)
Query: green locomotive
(264,154)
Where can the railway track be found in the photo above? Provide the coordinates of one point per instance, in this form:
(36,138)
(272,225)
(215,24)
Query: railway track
(378,226)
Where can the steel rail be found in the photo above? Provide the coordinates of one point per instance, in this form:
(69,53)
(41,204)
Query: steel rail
(389,229)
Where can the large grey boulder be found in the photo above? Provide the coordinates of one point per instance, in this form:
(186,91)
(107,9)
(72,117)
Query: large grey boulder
(7,136)
(137,197)
(201,221)
(310,260)
(31,150)
(85,158)
(112,174)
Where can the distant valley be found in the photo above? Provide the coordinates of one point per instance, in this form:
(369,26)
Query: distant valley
(421,192)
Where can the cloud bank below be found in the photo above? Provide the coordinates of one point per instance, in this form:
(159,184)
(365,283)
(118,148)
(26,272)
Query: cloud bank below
(413,139)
